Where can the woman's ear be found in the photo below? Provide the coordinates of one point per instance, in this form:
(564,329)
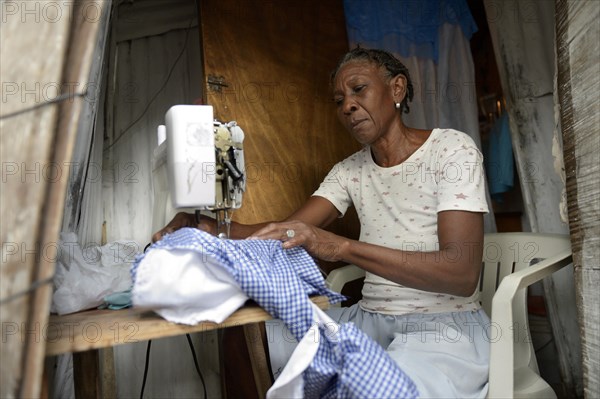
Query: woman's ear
(398,84)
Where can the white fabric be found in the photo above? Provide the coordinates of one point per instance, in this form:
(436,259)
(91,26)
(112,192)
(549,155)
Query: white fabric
(290,383)
(85,275)
(445,94)
(205,291)
(398,207)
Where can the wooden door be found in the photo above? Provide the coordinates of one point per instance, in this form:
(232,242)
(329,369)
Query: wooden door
(274,59)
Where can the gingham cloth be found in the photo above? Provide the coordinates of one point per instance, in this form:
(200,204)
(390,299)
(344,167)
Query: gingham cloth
(349,365)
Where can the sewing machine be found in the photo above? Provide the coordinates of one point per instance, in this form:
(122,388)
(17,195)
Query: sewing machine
(198,166)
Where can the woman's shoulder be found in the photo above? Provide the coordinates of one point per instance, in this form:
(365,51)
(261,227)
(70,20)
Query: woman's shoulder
(451,137)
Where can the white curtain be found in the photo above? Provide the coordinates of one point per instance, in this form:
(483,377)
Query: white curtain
(445,95)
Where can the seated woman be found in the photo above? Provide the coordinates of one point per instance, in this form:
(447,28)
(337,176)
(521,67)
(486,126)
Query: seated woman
(420,198)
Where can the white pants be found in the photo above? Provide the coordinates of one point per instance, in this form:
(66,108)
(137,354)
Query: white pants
(445,354)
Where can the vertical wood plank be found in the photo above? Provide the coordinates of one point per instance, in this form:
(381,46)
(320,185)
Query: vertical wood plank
(38,141)
(76,69)
(108,383)
(86,374)
(258,354)
(578,86)
(28,66)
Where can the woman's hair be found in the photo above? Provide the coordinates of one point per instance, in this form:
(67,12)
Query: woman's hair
(381,58)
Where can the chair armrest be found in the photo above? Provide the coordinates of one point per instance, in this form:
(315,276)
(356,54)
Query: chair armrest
(339,277)
(502,349)
(535,273)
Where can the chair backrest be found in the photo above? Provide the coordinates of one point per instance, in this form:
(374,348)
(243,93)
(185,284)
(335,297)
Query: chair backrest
(506,253)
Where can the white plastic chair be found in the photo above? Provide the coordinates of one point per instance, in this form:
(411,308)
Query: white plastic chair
(511,263)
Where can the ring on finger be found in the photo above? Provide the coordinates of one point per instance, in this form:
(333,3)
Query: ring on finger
(290,233)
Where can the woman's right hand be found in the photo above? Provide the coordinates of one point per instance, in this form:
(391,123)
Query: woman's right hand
(183,219)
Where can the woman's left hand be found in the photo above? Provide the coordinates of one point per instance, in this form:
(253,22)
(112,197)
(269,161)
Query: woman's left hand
(317,242)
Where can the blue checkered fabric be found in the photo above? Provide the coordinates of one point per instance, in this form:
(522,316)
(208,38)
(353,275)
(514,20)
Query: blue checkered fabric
(350,366)
(278,280)
(355,366)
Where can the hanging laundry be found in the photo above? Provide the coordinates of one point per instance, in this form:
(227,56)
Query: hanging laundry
(498,159)
(409,28)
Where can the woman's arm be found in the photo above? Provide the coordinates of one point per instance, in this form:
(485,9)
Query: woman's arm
(453,269)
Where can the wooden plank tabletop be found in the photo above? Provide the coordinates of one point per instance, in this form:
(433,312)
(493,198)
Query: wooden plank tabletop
(94,329)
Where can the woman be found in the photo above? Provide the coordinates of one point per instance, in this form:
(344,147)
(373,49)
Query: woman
(420,198)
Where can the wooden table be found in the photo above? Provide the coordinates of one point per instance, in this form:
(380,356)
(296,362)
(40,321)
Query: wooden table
(84,333)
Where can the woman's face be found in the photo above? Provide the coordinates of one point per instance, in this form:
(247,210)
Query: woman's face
(364,101)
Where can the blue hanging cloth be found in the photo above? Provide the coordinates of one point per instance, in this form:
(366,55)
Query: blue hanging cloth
(499,163)
(407,27)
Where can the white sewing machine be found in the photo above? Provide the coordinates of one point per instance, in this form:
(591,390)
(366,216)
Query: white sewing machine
(197,166)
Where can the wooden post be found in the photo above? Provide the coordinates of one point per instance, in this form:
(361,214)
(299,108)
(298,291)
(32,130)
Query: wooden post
(578,87)
(46,61)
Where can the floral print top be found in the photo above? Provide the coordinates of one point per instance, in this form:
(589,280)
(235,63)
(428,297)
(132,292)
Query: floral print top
(398,206)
